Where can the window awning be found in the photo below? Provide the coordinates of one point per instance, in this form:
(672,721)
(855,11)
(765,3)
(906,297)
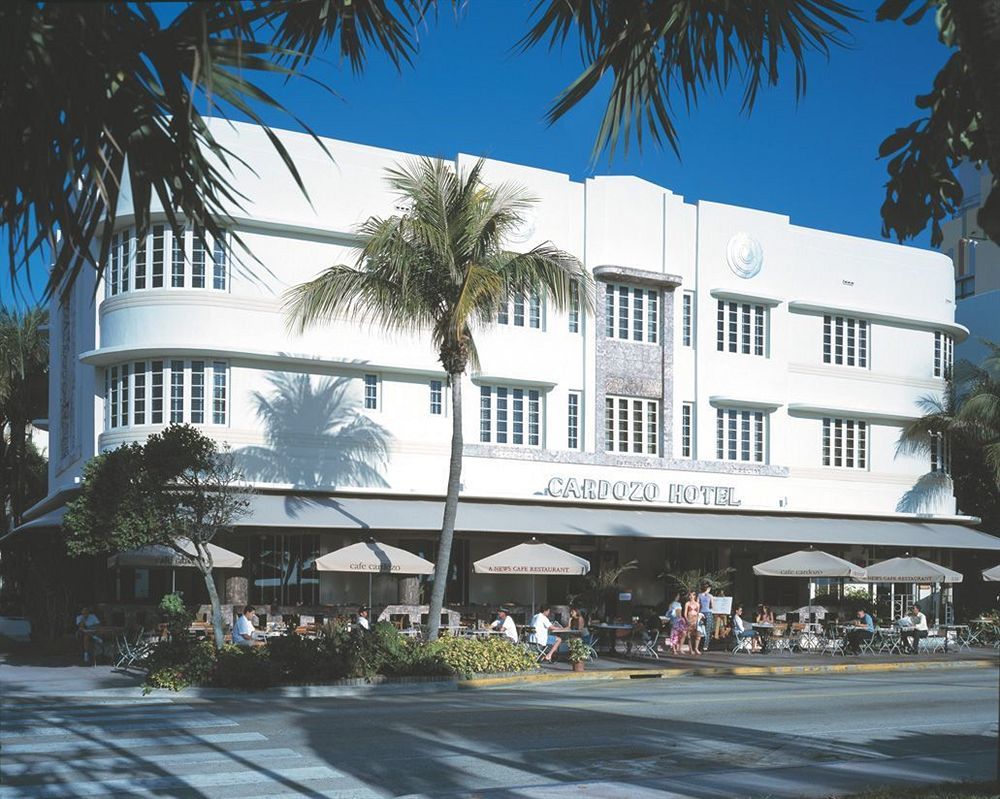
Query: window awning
(475,516)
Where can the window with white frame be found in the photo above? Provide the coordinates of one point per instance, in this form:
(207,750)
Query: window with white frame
(687,319)
(741,435)
(631,313)
(574,307)
(164,257)
(845,341)
(944,355)
(940,453)
(742,328)
(509,415)
(845,443)
(135,392)
(573,420)
(371,392)
(437,397)
(632,425)
(522,311)
(687,429)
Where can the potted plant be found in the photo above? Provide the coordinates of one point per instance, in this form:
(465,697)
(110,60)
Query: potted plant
(578,653)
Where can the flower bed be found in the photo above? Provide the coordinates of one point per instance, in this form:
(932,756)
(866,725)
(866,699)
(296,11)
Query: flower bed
(335,655)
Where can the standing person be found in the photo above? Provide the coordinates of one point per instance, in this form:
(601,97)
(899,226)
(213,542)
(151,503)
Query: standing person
(864,629)
(541,635)
(678,630)
(706,604)
(243,630)
(363,621)
(505,624)
(916,630)
(86,623)
(692,615)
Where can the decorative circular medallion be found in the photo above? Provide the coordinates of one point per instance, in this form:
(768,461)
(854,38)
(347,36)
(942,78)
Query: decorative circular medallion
(523,231)
(745,255)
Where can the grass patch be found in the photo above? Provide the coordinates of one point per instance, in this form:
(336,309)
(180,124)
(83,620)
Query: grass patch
(952,790)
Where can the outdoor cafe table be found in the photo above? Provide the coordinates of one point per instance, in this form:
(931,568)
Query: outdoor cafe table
(764,632)
(609,633)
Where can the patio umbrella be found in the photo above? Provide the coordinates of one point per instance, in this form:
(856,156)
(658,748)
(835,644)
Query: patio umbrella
(373,558)
(533,558)
(809,563)
(912,570)
(160,555)
(992,575)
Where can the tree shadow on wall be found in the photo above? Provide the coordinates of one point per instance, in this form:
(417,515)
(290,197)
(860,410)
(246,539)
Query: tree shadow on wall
(316,438)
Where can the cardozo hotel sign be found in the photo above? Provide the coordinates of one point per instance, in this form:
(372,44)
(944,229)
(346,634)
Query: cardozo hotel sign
(639,491)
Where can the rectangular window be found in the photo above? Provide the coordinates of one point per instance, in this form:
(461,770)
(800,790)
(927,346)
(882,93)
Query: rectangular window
(632,426)
(115,386)
(114,278)
(845,443)
(573,420)
(219,264)
(123,408)
(197,392)
(177,259)
(519,311)
(510,415)
(176,392)
(371,392)
(198,258)
(631,314)
(157,271)
(944,355)
(503,314)
(156,392)
(741,327)
(219,398)
(140,262)
(574,307)
(741,435)
(437,393)
(845,341)
(535,311)
(282,569)
(126,262)
(940,454)
(139,393)
(687,429)
(687,319)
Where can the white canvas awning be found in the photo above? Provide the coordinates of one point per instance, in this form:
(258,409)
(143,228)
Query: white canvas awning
(992,575)
(809,563)
(911,570)
(532,557)
(162,555)
(372,557)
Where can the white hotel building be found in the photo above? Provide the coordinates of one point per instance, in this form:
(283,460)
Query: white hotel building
(738,394)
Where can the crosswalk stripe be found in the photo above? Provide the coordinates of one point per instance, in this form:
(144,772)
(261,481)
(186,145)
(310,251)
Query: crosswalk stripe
(13,707)
(125,762)
(83,744)
(148,785)
(94,717)
(203,720)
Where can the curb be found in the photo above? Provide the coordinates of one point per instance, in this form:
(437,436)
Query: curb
(724,671)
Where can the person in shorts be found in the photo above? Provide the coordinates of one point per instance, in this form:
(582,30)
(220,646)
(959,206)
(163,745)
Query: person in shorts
(542,633)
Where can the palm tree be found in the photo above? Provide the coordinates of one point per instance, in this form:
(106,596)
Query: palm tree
(99,95)
(24,364)
(963,428)
(441,269)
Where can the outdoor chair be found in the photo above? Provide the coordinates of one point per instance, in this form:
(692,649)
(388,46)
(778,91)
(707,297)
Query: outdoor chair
(932,643)
(781,644)
(869,645)
(132,653)
(647,647)
(832,646)
(742,644)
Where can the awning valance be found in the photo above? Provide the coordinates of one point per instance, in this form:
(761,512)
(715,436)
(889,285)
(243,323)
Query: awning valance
(480,516)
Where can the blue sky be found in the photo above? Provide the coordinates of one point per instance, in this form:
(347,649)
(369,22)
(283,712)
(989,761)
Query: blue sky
(469,92)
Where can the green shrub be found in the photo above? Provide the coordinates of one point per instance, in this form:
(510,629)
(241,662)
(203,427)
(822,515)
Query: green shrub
(577,650)
(489,655)
(178,663)
(244,667)
(176,615)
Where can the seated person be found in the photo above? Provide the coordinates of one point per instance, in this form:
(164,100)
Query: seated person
(364,622)
(243,630)
(542,625)
(505,624)
(86,622)
(914,630)
(764,615)
(740,630)
(864,629)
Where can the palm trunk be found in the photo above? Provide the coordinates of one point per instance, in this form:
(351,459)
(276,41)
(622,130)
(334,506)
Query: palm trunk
(978,27)
(443,561)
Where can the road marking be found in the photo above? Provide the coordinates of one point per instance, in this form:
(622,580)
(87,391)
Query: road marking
(146,785)
(28,719)
(134,743)
(204,720)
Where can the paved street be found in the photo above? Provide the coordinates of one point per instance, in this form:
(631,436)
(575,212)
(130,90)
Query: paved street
(700,737)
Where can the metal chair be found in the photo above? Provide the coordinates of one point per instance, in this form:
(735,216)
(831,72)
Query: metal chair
(647,646)
(741,644)
(131,654)
(832,646)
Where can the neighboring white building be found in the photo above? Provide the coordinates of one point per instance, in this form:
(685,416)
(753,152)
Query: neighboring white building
(738,392)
